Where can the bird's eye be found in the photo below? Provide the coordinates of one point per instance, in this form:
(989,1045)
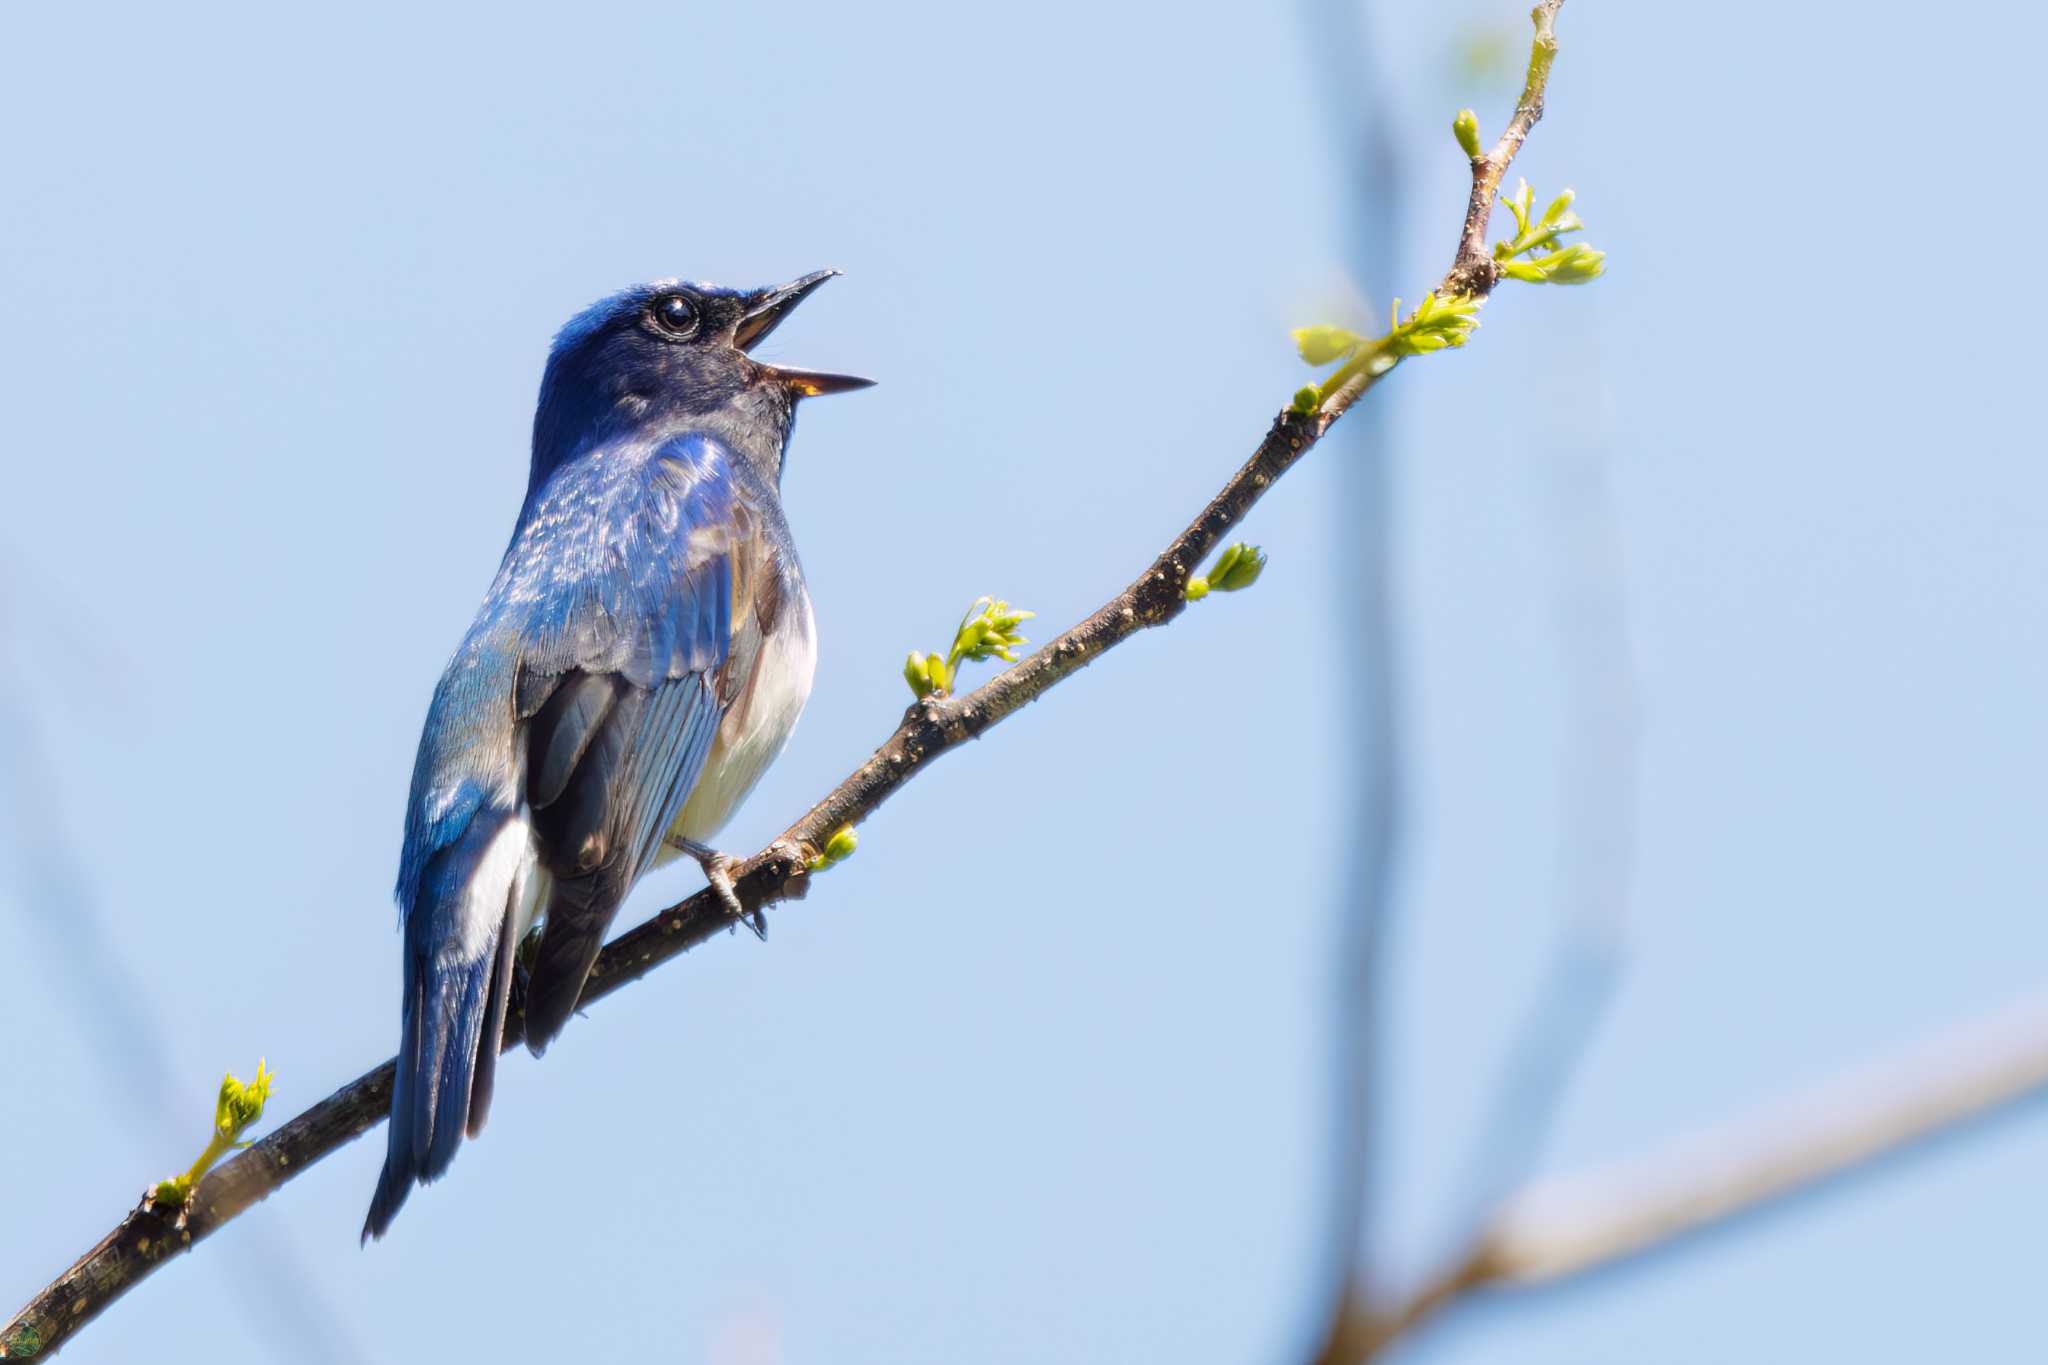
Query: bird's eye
(674,314)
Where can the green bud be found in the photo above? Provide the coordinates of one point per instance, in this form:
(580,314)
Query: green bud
(1239,568)
(237,1107)
(1003,620)
(1236,568)
(1519,205)
(837,849)
(1540,235)
(1436,323)
(1466,128)
(988,631)
(241,1105)
(914,673)
(1320,345)
(1576,264)
(1308,401)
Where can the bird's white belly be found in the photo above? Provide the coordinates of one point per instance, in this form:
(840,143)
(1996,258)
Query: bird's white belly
(753,731)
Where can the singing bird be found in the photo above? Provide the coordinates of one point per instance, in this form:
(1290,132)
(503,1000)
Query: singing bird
(640,659)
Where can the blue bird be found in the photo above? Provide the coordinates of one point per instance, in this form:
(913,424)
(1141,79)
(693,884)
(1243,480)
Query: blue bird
(640,659)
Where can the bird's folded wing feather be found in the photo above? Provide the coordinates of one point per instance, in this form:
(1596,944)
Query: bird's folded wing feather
(637,630)
(624,621)
(574,720)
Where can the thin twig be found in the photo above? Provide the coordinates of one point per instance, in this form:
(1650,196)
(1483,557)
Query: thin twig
(1475,272)
(149,1236)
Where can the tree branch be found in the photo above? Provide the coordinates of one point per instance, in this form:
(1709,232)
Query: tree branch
(1565,1228)
(149,1235)
(1596,803)
(1475,271)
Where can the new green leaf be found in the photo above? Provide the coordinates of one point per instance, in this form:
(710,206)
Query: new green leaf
(1319,345)
(235,1110)
(987,631)
(1576,264)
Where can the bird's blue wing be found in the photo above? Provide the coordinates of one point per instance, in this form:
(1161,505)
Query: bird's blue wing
(578,714)
(624,678)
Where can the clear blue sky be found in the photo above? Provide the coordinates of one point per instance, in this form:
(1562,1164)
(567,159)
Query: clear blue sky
(277,290)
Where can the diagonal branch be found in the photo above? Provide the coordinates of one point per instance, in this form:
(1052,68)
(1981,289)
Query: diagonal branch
(1564,1228)
(149,1235)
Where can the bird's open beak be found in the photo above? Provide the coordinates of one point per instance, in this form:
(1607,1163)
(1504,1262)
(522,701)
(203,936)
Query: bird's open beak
(769,308)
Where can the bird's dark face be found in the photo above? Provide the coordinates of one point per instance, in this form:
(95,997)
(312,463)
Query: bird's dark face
(675,356)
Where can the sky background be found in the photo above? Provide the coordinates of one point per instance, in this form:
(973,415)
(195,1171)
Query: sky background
(1042,1073)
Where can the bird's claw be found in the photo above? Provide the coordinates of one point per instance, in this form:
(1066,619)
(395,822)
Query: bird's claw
(719,869)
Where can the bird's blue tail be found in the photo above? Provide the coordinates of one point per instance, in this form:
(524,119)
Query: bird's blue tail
(458,973)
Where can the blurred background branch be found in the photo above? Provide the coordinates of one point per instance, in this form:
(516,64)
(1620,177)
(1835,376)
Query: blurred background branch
(1352,98)
(1565,1228)
(1562,1018)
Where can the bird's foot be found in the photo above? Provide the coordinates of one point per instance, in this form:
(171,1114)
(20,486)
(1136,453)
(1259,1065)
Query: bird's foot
(719,869)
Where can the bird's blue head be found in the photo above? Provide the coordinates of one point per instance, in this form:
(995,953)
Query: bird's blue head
(671,357)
